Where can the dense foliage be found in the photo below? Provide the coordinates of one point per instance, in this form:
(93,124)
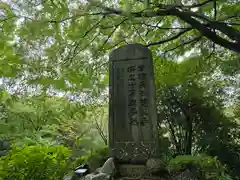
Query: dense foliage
(35,163)
(203,167)
(54,79)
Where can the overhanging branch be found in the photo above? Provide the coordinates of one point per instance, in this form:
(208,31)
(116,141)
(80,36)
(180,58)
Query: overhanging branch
(170,39)
(188,18)
(234,46)
(110,35)
(201,23)
(199,5)
(196,39)
(164,28)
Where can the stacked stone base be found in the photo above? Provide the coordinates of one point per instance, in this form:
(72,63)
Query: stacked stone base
(110,170)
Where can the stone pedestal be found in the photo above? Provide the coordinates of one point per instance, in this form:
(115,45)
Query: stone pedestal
(132,171)
(133,135)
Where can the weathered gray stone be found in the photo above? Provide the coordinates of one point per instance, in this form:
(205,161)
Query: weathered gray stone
(67,177)
(155,165)
(187,175)
(100,176)
(109,167)
(133,136)
(98,170)
(132,170)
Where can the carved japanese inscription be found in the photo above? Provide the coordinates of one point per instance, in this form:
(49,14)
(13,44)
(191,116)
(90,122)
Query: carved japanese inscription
(132,111)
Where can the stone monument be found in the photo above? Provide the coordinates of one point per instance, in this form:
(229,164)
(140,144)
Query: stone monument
(133,137)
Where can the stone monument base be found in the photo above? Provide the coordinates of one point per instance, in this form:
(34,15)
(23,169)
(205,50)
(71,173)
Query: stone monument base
(142,178)
(118,171)
(131,170)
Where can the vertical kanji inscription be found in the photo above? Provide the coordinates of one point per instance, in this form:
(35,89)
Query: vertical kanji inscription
(132,111)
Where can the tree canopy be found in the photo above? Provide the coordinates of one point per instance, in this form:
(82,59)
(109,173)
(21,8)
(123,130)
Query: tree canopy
(64,43)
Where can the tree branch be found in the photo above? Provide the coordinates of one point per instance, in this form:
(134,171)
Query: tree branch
(139,34)
(206,31)
(185,43)
(170,6)
(179,11)
(177,146)
(215,25)
(143,13)
(170,39)
(101,133)
(199,5)
(187,17)
(189,128)
(110,35)
(165,28)
(215,9)
(74,53)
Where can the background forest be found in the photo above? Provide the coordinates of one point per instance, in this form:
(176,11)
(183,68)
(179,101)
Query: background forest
(54,82)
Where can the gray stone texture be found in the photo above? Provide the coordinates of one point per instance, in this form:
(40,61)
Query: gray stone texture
(109,167)
(155,165)
(133,136)
(134,171)
(100,176)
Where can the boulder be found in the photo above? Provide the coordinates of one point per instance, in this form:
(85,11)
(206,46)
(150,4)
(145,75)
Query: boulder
(186,175)
(155,165)
(67,177)
(100,176)
(98,170)
(109,167)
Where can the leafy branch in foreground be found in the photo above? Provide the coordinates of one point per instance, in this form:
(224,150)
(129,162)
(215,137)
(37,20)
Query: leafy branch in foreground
(217,28)
(203,24)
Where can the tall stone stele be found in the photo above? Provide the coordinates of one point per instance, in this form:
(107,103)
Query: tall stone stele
(133,137)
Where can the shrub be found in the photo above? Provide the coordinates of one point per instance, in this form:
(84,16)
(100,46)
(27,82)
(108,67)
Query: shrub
(35,163)
(206,167)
